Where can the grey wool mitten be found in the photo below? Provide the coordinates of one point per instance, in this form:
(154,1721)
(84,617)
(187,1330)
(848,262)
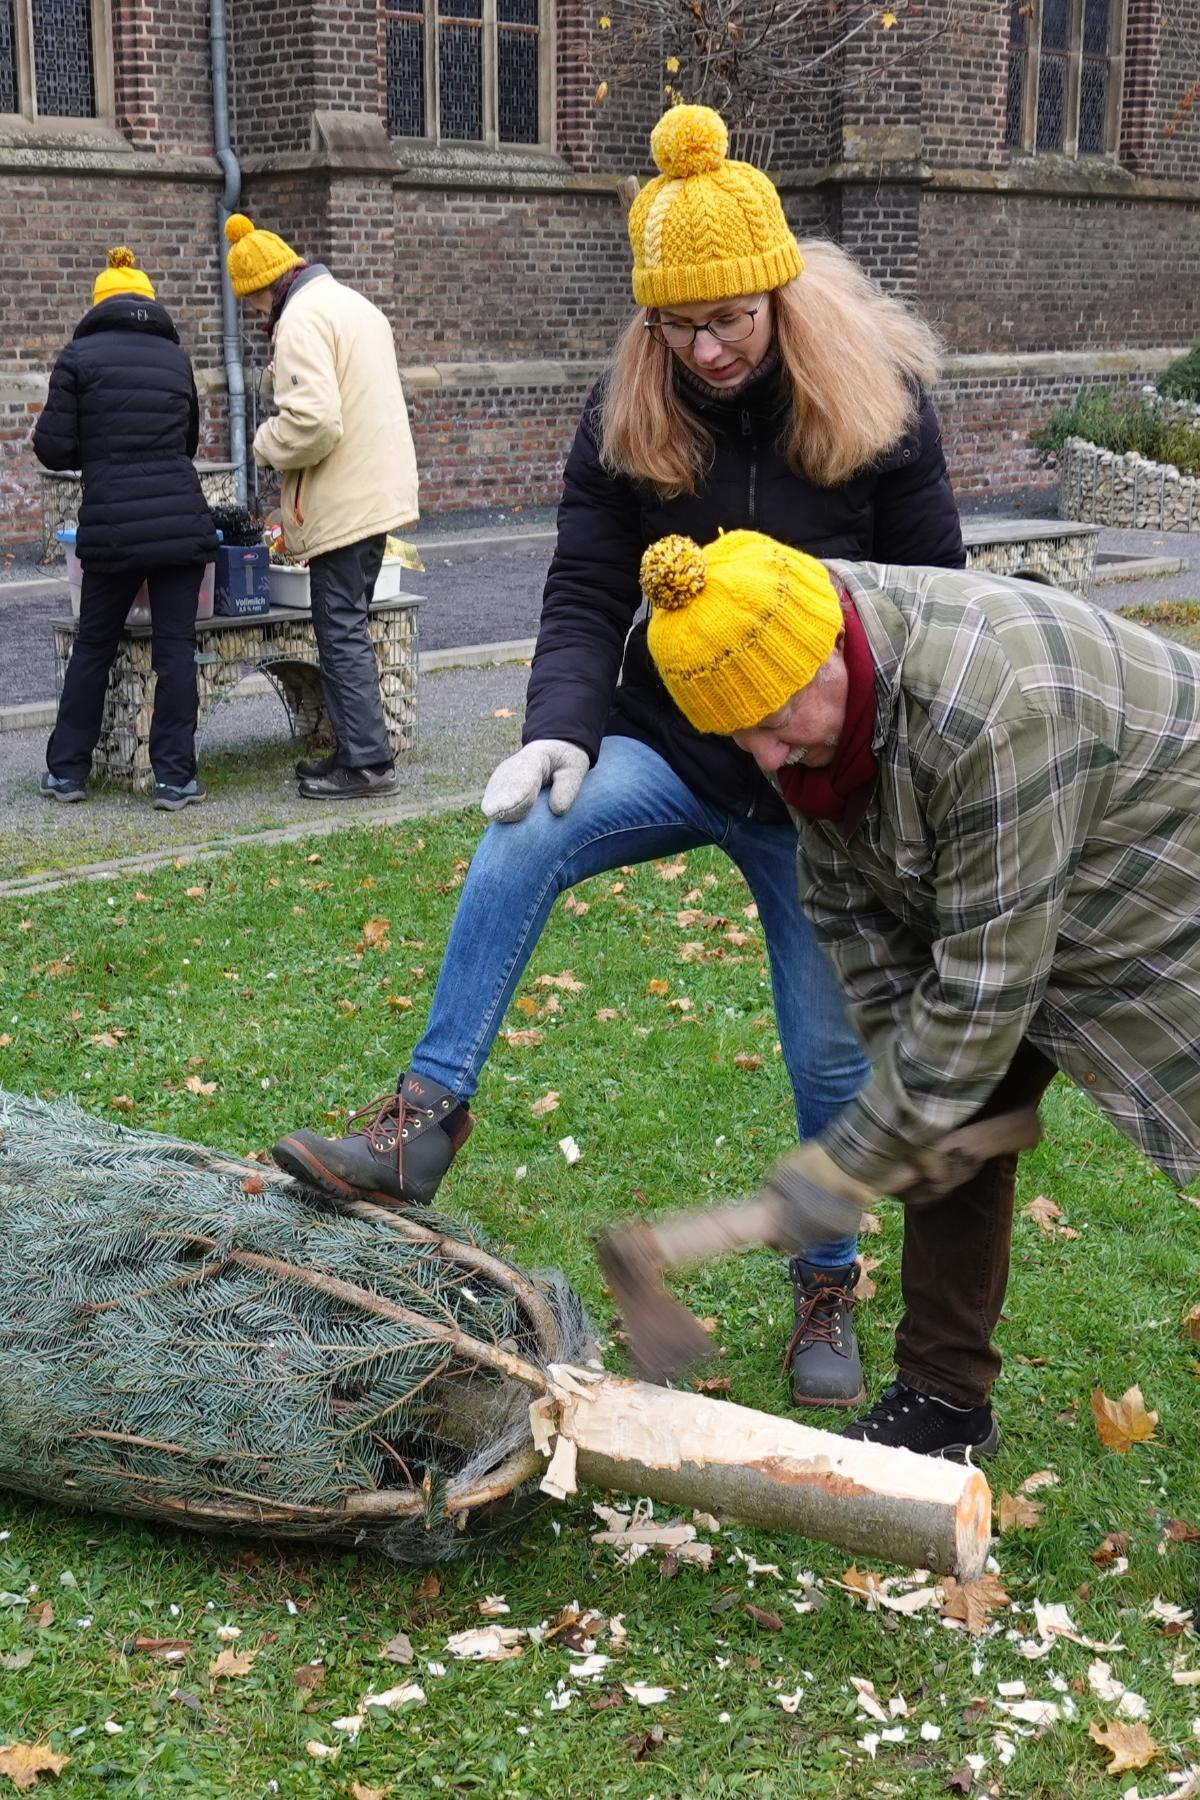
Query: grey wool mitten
(517,782)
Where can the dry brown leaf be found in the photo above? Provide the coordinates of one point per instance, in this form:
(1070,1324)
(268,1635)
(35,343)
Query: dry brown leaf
(862,1583)
(194,893)
(399,1002)
(428,1588)
(1178,1531)
(747,1060)
(547,1104)
(606,1014)
(503,712)
(870,1225)
(309,1675)
(374,935)
(1019,1514)
(169,1649)
(671,871)
(253,1184)
(1130,1746)
(194,1085)
(59,967)
(23,1763)
(5,1039)
(121,1103)
(713,1384)
(1044,1214)
(681,1005)
(658,986)
(864,1287)
(973,1602)
(227,1664)
(767,1621)
(1041,1478)
(525,1040)
(108,1040)
(1191,1322)
(359,1792)
(41,1615)
(566,981)
(1115,1544)
(1124,1422)
(346,1006)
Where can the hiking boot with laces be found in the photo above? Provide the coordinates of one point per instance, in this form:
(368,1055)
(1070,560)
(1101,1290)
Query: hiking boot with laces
(822,1353)
(397,1149)
(902,1418)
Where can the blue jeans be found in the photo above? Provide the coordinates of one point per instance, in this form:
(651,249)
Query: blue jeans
(631,807)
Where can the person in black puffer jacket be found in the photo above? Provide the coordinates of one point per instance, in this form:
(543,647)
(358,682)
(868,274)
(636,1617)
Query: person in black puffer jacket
(763,384)
(122,408)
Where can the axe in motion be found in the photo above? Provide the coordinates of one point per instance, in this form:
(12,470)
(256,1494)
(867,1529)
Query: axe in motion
(791,1213)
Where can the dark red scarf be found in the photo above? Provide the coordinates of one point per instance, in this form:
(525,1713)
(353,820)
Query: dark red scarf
(826,793)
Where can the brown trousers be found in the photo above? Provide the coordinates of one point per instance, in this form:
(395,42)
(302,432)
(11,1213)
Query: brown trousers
(954,1269)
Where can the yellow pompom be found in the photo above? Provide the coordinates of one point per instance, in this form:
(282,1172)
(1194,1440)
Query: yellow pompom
(673,573)
(238,226)
(121,257)
(689,140)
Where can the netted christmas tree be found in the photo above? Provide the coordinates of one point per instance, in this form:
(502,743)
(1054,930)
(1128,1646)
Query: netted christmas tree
(192,1337)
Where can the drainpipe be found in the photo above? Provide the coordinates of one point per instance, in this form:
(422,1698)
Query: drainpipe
(235,381)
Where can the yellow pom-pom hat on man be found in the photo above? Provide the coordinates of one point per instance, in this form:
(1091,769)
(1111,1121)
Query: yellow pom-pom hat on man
(738,627)
(706,227)
(256,258)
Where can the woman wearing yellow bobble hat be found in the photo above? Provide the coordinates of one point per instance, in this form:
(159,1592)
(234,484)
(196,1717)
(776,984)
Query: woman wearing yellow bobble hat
(341,441)
(122,408)
(994,789)
(762,383)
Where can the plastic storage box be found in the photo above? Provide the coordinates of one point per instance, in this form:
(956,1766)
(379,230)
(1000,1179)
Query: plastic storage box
(139,612)
(289,584)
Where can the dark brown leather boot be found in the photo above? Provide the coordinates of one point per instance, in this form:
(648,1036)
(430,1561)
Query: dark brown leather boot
(397,1150)
(822,1355)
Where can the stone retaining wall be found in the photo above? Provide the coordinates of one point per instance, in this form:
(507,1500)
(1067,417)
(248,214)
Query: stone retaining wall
(1125,491)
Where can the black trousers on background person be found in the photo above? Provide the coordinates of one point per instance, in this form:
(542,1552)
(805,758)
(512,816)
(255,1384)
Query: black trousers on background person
(341,583)
(104,602)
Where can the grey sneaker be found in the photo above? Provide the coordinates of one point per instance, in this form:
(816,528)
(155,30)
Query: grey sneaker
(342,783)
(822,1353)
(399,1152)
(173,799)
(62,788)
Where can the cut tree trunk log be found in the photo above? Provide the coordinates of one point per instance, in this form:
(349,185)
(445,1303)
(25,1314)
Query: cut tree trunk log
(688,1450)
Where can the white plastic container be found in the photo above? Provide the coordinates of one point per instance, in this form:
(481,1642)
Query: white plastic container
(139,612)
(289,584)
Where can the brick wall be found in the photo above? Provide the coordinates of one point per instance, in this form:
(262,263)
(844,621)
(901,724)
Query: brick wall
(1040,272)
(272,75)
(987,420)
(161,66)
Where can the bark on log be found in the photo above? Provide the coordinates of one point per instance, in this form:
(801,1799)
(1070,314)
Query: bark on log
(689,1450)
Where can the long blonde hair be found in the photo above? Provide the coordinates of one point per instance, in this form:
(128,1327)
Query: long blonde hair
(850,354)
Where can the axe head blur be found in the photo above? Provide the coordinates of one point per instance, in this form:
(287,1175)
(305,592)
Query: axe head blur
(664,1338)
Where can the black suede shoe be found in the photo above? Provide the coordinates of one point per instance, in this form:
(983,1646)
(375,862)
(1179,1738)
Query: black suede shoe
(823,1351)
(399,1152)
(903,1419)
(352,784)
(310,766)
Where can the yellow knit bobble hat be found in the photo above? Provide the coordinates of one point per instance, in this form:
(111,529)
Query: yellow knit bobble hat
(706,228)
(256,258)
(738,627)
(122,276)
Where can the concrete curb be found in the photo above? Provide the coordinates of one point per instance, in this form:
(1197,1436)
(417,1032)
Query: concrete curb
(31,715)
(114,868)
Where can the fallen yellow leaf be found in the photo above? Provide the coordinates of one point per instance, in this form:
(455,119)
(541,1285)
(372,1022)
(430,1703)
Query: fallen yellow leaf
(230,1663)
(547,1104)
(1124,1422)
(374,935)
(23,1763)
(194,1085)
(658,986)
(1130,1746)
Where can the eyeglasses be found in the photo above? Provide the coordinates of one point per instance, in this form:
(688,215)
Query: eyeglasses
(727,328)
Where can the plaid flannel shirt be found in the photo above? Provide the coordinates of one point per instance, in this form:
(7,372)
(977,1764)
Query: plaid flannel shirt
(1028,864)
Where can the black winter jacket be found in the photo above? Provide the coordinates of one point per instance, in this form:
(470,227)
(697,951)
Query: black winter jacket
(901,510)
(122,408)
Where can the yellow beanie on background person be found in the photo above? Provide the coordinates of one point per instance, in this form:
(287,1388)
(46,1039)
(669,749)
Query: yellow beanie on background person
(121,276)
(706,228)
(256,258)
(738,627)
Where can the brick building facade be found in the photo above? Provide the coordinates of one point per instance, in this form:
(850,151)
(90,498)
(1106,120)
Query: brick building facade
(1032,186)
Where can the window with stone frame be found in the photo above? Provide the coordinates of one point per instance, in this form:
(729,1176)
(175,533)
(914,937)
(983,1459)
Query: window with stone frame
(468,71)
(54,59)
(1065,64)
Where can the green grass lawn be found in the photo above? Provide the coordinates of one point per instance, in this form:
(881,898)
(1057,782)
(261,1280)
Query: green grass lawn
(1179,619)
(260,980)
